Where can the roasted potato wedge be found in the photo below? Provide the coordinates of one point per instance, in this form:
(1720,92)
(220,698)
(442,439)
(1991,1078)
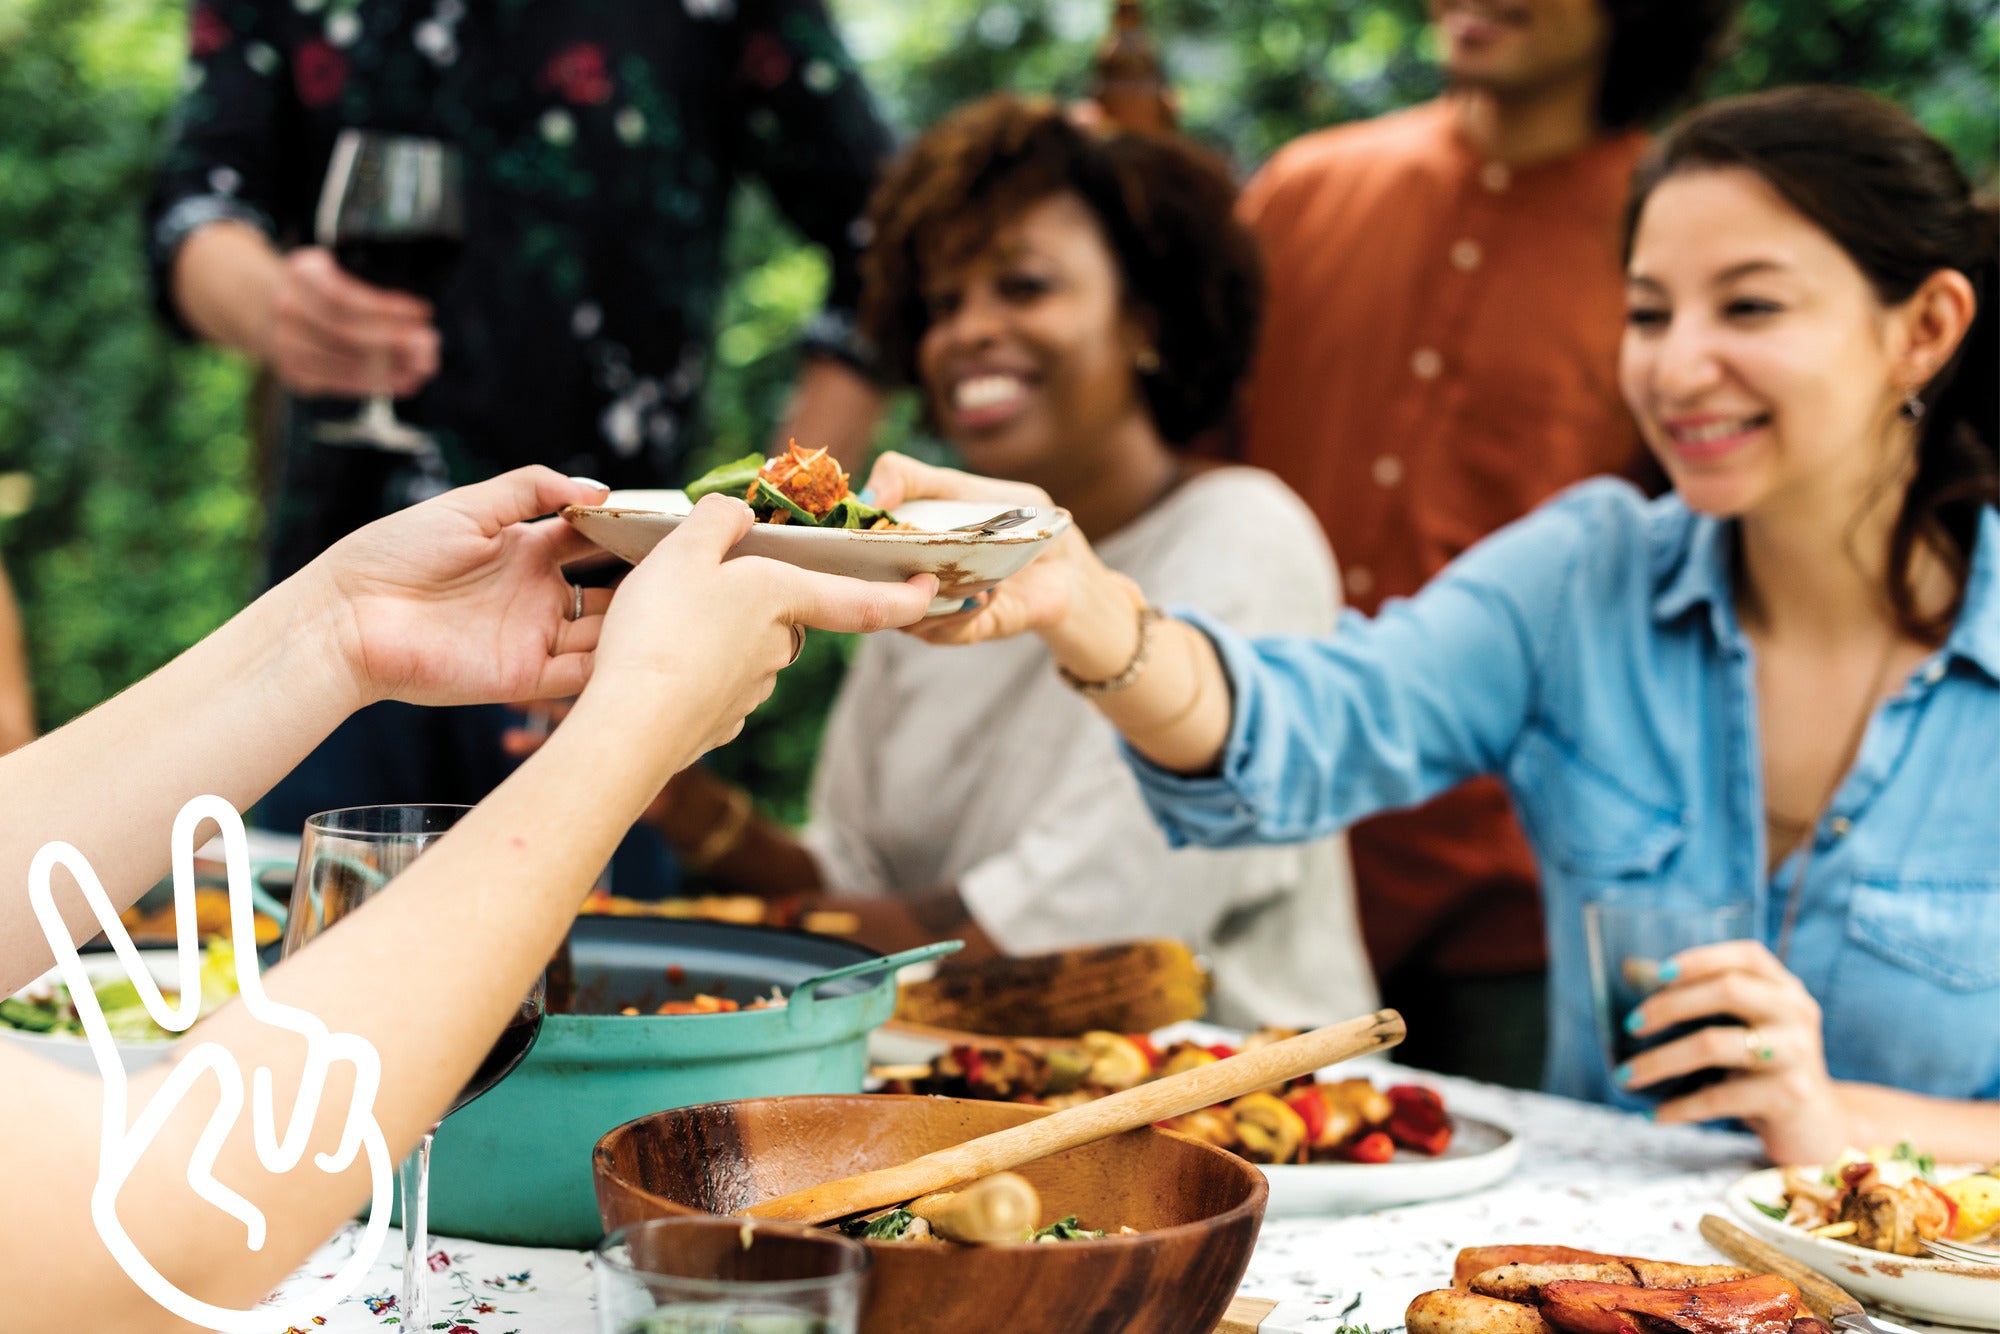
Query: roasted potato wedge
(1452,1311)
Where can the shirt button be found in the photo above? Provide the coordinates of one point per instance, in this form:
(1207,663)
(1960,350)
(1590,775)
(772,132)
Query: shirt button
(1387,471)
(1360,580)
(1934,673)
(1425,363)
(1495,176)
(1839,825)
(1465,255)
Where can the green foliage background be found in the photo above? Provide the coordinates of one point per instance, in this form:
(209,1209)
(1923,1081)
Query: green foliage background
(129,511)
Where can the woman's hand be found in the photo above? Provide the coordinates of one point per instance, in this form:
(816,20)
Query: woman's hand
(1051,597)
(461,600)
(708,637)
(1778,1084)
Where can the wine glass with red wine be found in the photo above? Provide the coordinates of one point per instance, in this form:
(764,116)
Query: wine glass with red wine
(347,857)
(392,210)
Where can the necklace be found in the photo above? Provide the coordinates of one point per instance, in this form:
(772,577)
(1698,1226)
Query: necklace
(1799,833)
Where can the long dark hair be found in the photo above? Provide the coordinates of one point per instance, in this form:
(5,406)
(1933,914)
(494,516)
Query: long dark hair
(1864,172)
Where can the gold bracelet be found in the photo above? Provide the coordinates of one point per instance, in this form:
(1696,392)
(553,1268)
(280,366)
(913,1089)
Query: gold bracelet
(1148,614)
(724,836)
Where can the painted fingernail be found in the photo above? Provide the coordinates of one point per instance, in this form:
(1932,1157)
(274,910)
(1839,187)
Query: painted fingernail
(968,604)
(1670,970)
(867,496)
(590,481)
(1623,1074)
(1651,1114)
(1634,1022)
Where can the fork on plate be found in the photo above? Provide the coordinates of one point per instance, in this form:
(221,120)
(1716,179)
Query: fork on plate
(1960,1253)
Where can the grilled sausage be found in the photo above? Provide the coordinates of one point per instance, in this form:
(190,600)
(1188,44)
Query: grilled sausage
(1450,1311)
(1475,1260)
(1524,1282)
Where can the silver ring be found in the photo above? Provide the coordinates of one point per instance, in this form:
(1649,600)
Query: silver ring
(576,602)
(798,642)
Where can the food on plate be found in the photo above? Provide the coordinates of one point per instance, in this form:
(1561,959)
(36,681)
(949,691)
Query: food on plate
(1132,987)
(742,909)
(1540,1289)
(1305,1121)
(48,1007)
(799,486)
(211,918)
(1887,1201)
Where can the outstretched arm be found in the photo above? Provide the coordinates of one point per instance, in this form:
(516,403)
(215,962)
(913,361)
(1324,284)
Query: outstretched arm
(501,888)
(458,600)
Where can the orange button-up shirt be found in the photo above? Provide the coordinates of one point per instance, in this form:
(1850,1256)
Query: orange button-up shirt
(1439,356)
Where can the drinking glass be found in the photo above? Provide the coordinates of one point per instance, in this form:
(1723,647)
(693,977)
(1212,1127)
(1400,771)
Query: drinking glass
(1631,931)
(725,1276)
(392,210)
(347,857)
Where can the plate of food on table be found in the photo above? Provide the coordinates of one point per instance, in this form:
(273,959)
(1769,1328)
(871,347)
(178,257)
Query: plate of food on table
(808,516)
(1893,1225)
(1085,1023)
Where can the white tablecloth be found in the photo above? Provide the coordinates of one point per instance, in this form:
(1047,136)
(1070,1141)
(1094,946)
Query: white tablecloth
(1589,1177)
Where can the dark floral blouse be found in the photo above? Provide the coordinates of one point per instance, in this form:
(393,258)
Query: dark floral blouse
(602,139)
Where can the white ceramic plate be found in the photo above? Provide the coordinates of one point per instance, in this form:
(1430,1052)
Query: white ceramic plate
(73,1049)
(631,523)
(1480,1154)
(1914,1286)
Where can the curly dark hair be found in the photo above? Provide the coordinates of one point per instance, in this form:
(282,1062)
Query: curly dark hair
(1659,53)
(1189,270)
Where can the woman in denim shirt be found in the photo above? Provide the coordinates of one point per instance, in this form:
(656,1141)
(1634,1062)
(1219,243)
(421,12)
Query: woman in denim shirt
(1782,681)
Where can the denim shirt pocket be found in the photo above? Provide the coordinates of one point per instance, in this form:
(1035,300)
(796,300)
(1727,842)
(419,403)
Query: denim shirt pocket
(1586,821)
(1915,994)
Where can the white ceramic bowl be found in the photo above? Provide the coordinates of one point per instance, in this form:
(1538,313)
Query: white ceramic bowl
(73,1050)
(1915,1286)
(631,523)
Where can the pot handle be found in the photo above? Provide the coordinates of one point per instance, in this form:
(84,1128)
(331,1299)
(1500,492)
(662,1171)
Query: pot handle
(807,992)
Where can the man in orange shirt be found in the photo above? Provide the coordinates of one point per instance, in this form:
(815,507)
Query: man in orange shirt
(1446,297)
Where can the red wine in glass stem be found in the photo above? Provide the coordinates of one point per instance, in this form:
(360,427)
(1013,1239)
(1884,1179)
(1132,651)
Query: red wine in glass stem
(508,1051)
(415,264)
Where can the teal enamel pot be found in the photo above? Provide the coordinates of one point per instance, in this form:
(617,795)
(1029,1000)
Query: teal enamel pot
(514,1165)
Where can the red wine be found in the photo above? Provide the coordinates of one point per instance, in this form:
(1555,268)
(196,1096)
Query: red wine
(416,264)
(509,1049)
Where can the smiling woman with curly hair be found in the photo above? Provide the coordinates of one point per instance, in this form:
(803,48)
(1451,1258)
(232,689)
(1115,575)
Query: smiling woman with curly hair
(1076,311)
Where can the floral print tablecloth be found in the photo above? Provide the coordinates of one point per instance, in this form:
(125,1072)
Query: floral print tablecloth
(1589,1176)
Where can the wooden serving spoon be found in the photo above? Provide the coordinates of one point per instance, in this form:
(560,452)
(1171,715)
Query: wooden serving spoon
(1141,1105)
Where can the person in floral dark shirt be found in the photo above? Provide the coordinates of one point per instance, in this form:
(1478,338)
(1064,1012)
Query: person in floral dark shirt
(602,140)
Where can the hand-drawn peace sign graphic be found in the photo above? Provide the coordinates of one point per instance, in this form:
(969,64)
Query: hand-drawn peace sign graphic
(124,1140)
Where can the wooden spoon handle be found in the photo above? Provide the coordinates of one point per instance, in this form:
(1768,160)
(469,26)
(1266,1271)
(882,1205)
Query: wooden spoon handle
(1138,1106)
(1827,1298)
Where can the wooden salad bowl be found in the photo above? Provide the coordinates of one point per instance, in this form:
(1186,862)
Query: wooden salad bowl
(1196,1209)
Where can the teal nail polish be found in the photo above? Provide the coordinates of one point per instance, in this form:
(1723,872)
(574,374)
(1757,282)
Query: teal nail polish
(968,604)
(1650,1114)
(867,496)
(1623,1074)
(1670,970)
(1634,1022)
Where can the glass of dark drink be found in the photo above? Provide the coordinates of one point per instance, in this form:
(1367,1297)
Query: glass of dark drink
(346,858)
(1632,931)
(392,210)
(699,1275)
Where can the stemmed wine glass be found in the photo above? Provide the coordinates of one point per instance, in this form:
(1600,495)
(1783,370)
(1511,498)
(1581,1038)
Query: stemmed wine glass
(346,857)
(392,210)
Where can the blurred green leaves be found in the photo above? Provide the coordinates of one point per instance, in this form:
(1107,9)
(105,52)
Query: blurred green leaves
(131,454)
